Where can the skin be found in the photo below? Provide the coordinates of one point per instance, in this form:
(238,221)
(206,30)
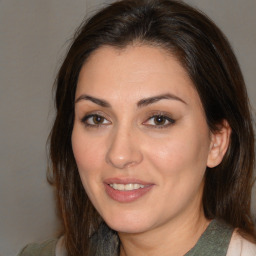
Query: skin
(130,143)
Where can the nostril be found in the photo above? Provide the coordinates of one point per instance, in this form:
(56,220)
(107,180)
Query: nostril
(123,160)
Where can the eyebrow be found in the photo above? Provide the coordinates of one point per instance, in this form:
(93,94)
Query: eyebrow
(97,101)
(151,100)
(142,103)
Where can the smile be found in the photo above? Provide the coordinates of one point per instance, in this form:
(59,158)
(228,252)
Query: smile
(125,193)
(126,187)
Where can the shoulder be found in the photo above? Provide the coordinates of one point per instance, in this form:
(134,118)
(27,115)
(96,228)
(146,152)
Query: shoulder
(46,248)
(239,246)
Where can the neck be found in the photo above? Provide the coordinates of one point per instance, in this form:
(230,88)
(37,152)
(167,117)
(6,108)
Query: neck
(174,238)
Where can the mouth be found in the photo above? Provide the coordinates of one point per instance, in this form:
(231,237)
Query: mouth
(126,187)
(126,190)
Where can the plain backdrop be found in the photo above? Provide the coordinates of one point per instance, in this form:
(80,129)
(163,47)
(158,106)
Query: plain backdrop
(34,37)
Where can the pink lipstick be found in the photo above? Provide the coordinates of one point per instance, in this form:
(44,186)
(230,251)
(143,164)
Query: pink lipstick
(126,189)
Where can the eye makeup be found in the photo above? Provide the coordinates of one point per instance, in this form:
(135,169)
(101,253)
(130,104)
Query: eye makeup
(159,120)
(155,120)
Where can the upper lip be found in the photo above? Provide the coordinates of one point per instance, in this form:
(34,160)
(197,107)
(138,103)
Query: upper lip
(126,180)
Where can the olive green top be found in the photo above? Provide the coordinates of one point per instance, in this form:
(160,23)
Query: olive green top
(214,241)
(46,248)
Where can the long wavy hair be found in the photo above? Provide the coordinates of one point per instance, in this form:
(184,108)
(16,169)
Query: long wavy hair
(206,55)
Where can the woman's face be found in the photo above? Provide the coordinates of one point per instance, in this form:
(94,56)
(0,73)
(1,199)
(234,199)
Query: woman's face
(140,138)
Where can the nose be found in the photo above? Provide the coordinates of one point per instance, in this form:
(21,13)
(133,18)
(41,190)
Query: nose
(124,150)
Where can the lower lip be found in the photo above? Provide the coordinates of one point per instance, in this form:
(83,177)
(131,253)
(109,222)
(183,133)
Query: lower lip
(127,196)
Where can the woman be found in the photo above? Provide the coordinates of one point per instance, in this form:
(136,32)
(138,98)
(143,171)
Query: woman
(152,148)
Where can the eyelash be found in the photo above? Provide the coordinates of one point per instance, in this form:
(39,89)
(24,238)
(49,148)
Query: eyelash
(166,118)
(85,119)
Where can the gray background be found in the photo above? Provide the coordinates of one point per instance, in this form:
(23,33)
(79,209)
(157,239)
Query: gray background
(34,37)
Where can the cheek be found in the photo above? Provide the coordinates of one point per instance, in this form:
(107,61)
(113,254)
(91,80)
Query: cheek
(88,152)
(183,153)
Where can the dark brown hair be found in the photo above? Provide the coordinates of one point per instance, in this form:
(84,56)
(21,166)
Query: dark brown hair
(206,55)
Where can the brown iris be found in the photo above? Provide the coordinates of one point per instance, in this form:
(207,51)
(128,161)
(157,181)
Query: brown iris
(98,119)
(159,120)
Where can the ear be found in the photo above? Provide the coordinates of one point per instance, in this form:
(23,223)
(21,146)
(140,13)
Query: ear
(219,144)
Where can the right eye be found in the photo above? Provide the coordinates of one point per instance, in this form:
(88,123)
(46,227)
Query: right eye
(95,120)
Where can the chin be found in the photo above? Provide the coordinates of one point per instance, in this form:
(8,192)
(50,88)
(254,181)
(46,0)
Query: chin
(128,224)
(130,229)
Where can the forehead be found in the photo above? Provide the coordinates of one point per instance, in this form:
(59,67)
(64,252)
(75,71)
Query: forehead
(134,72)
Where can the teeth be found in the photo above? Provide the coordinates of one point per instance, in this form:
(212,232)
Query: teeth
(126,187)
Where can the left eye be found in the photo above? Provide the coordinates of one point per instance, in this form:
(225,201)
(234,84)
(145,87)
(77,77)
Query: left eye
(159,120)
